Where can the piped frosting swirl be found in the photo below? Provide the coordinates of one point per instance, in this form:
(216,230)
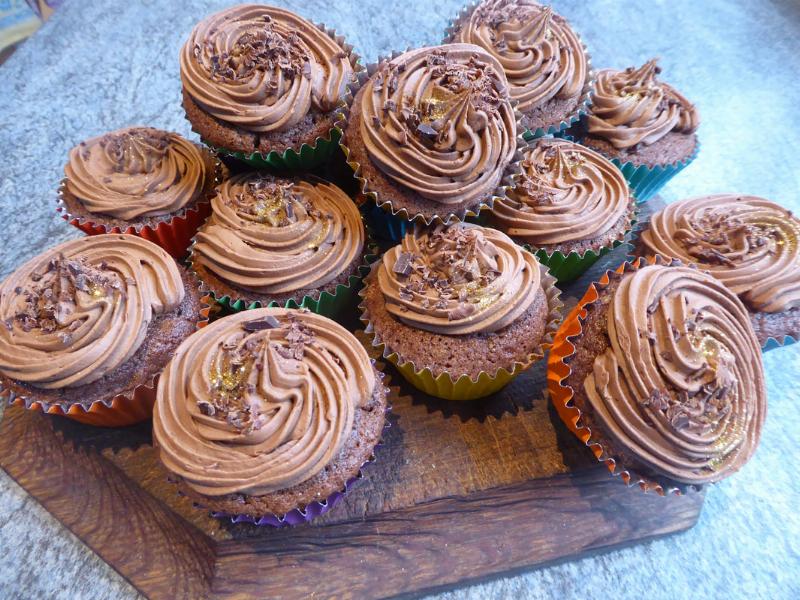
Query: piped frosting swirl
(458,279)
(138,172)
(260,401)
(564,193)
(681,384)
(541,55)
(750,244)
(439,121)
(263,68)
(80,310)
(633,107)
(271,235)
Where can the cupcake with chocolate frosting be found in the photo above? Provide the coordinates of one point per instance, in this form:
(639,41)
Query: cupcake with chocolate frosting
(460,309)
(278,241)
(142,181)
(568,204)
(268,415)
(88,325)
(547,66)
(644,125)
(659,372)
(748,243)
(431,133)
(264,84)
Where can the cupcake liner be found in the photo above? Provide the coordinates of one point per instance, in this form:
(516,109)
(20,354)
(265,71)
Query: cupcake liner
(567,268)
(316,508)
(307,156)
(392,225)
(118,411)
(584,101)
(645,181)
(561,395)
(332,305)
(173,234)
(773,343)
(465,388)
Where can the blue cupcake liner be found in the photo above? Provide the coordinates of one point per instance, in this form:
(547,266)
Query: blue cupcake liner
(645,181)
(773,343)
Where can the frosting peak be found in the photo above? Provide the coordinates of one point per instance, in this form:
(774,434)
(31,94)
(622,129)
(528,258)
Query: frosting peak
(139,172)
(750,244)
(541,55)
(633,107)
(263,68)
(439,121)
(80,310)
(681,384)
(458,279)
(564,193)
(260,401)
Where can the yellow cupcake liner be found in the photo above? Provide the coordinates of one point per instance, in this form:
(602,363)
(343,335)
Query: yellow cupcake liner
(464,388)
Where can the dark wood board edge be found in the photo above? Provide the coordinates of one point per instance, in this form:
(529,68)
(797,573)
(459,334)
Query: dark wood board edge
(97,502)
(453,541)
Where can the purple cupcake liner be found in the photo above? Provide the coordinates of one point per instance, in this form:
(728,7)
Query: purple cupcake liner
(317,508)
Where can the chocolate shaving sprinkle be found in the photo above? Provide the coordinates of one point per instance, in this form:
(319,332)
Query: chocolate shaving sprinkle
(404,264)
(269,322)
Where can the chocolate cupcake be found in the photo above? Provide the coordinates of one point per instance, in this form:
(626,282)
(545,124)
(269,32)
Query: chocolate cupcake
(431,133)
(643,124)
(143,181)
(568,204)
(658,370)
(89,324)
(748,243)
(266,415)
(264,84)
(278,241)
(460,309)
(547,66)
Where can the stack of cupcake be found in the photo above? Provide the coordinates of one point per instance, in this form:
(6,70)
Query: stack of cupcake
(491,167)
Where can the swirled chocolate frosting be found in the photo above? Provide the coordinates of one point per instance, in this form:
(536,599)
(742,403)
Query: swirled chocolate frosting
(272,235)
(263,68)
(541,55)
(633,107)
(138,172)
(750,244)
(260,401)
(564,193)
(458,279)
(439,121)
(81,309)
(681,384)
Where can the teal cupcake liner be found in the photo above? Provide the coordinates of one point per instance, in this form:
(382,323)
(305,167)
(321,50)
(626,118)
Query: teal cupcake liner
(584,102)
(773,343)
(645,181)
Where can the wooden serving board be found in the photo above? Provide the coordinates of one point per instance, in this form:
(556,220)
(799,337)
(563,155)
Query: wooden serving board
(459,492)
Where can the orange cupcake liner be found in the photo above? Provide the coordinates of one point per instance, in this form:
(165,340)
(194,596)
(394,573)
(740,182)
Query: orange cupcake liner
(118,411)
(561,395)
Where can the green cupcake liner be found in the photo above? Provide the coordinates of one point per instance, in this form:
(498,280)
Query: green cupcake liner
(568,268)
(290,159)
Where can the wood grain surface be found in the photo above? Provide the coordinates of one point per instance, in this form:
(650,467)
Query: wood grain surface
(459,492)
